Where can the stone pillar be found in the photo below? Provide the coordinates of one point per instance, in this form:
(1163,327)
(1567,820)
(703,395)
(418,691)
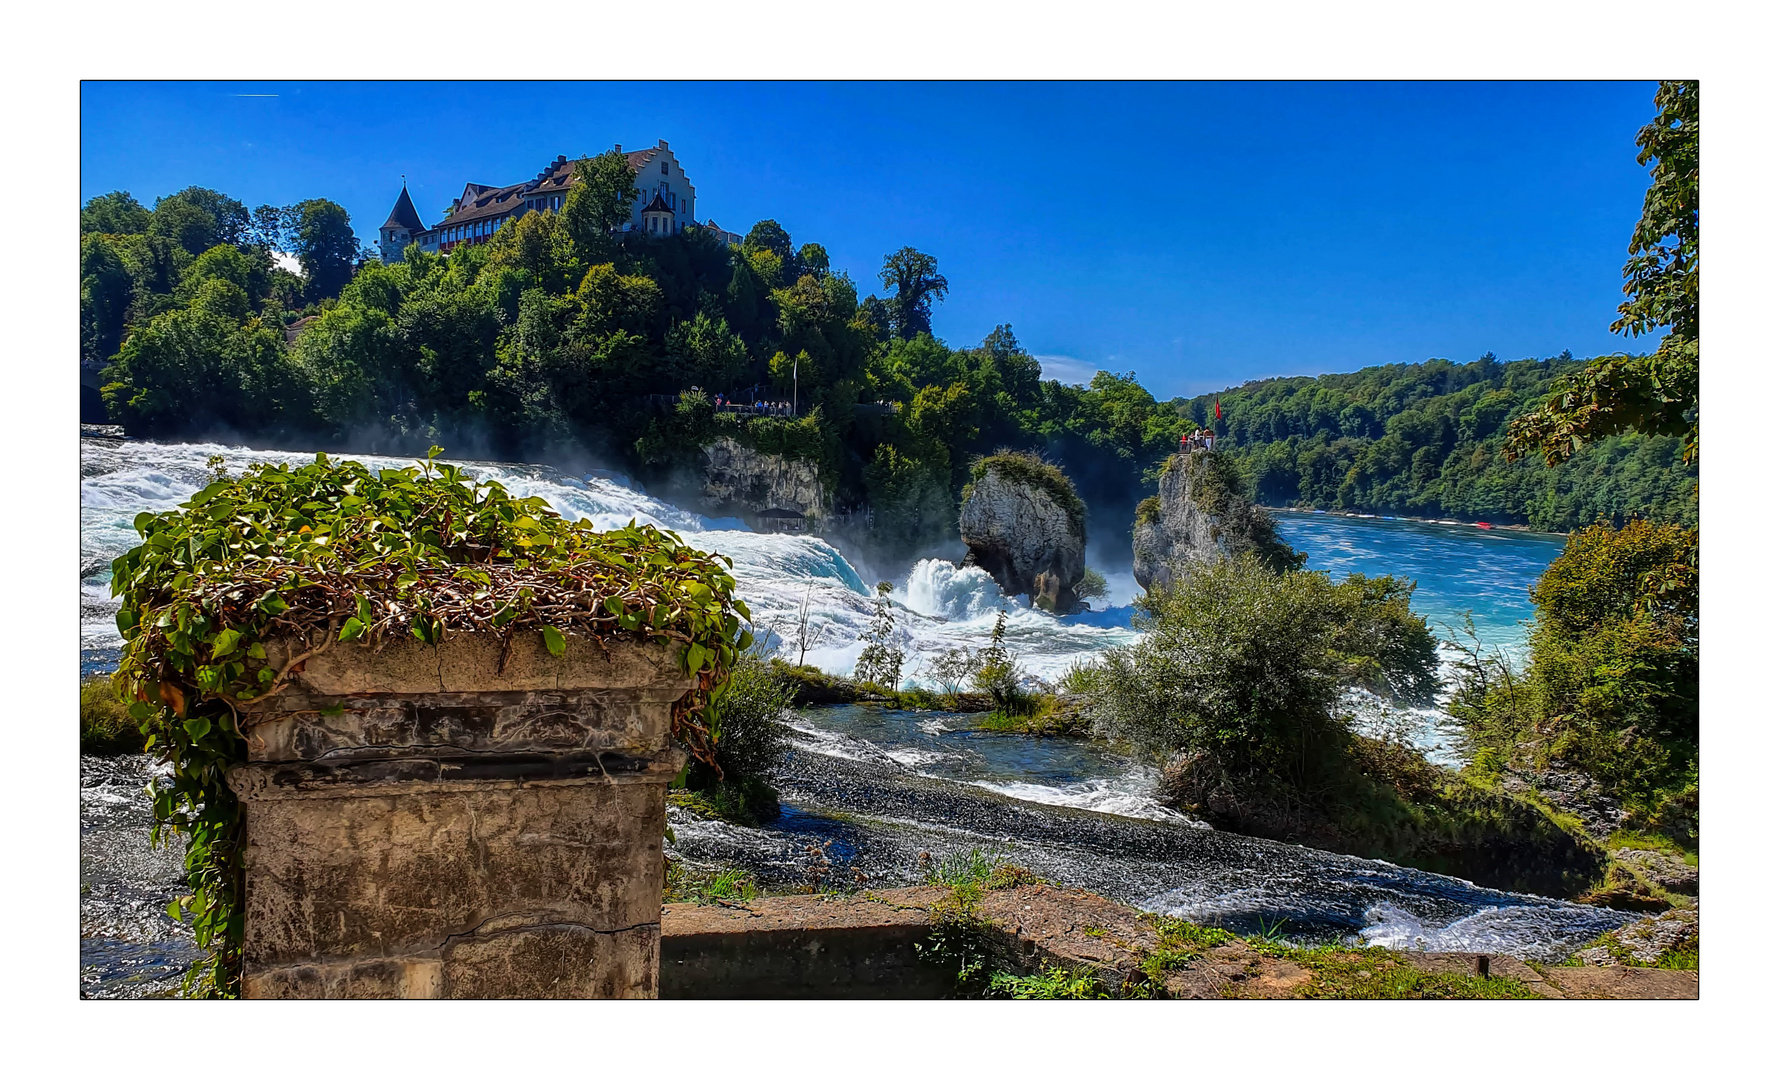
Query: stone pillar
(427,822)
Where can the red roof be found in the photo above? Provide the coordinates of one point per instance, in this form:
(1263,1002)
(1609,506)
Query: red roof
(481,201)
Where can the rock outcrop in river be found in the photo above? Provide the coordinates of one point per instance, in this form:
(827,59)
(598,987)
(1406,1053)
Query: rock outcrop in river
(1024,524)
(1201,516)
(737,477)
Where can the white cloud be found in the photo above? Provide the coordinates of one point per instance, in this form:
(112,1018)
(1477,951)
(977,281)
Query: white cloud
(1067,369)
(284,260)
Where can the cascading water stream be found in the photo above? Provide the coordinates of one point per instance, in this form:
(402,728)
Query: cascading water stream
(879,786)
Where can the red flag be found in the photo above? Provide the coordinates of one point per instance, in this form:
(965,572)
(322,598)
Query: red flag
(1219,404)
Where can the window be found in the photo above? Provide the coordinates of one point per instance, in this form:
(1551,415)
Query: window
(663,167)
(670,201)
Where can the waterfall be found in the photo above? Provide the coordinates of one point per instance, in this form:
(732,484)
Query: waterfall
(938,606)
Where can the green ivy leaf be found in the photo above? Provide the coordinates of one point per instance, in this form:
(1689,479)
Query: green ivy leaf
(554,641)
(225,643)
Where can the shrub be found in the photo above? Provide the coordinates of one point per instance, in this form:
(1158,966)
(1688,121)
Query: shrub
(880,661)
(1613,683)
(105,725)
(1092,586)
(754,740)
(999,676)
(1051,984)
(972,867)
(1247,666)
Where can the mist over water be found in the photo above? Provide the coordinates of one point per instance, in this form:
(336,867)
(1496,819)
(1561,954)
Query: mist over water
(879,786)
(938,606)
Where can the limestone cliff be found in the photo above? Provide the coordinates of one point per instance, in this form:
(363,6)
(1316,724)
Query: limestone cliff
(739,478)
(1200,516)
(1024,524)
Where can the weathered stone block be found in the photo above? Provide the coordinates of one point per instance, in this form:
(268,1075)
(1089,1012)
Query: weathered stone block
(426,822)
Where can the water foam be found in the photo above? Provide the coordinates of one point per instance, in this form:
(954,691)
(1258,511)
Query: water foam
(938,606)
(1125,796)
(1529,931)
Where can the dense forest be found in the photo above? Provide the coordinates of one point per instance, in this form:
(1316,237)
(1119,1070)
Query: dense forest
(561,340)
(1426,440)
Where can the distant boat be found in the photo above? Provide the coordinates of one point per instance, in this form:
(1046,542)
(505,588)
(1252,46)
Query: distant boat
(1484,525)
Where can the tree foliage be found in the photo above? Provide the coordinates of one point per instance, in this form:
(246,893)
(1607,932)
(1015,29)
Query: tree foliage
(1613,683)
(599,202)
(117,213)
(558,341)
(1247,665)
(326,247)
(1427,440)
(915,277)
(1656,394)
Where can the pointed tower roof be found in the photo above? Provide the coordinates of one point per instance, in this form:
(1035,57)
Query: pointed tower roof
(657,204)
(404,216)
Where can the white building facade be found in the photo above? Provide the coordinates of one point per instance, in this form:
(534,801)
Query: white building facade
(664,205)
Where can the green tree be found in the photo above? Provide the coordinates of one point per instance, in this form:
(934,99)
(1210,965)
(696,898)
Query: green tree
(998,673)
(230,215)
(326,247)
(117,213)
(357,360)
(185,223)
(271,227)
(538,244)
(1656,394)
(599,201)
(209,367)
(812,259)
(915,277)
(249,270)
(105,294)
(703,351)
(911,497)
(770,236)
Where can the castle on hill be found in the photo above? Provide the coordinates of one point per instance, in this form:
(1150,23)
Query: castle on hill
(664,205)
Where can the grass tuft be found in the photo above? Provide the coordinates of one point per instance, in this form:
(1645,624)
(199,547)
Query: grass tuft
(105,725)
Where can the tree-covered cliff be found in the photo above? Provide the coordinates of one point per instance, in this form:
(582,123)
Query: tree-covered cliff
(1426,440)
(558,341)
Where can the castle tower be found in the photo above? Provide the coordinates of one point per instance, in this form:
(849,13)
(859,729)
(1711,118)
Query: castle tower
(657,217)
(403,225)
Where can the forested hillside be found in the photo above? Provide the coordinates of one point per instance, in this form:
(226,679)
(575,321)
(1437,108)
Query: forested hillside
(560,341)
(1426,440)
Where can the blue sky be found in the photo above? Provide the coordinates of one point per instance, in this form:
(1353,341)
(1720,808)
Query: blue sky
(1199,234)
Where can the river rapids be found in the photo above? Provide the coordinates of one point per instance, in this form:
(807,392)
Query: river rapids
(867,790)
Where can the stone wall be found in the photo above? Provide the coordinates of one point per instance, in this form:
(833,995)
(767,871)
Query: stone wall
(430,822)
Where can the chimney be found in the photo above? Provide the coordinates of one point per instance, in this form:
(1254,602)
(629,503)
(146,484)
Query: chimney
(618,147)
(660,144)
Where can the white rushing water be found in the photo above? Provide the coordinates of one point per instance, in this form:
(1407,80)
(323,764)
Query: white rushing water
(938,606)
